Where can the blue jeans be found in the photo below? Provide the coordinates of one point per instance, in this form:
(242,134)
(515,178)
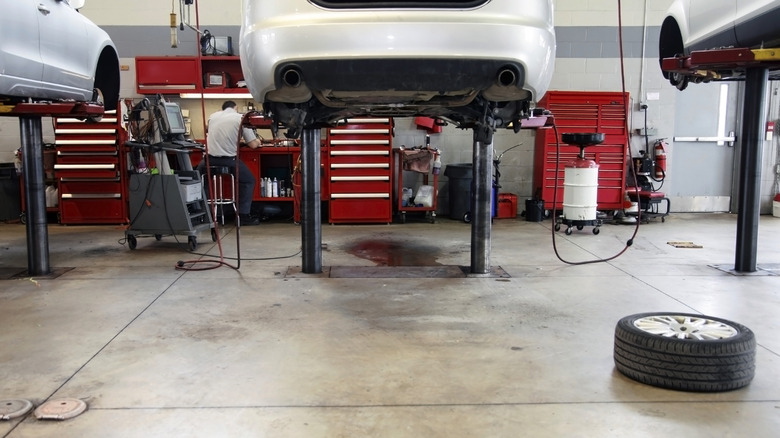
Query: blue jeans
(246,180)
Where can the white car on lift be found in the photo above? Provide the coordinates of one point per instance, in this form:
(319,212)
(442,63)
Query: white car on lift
(312,62)
(692,25)
(49,51)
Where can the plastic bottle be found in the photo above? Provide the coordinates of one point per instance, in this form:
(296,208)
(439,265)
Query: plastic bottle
(406,196)
(18,161)
(275,188)
(437,164)
(141,168)
(262,187)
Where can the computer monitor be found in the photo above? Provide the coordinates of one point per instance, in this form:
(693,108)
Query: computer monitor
(174,122)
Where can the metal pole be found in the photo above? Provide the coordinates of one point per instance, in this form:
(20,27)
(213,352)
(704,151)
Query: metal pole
(311,206)
(481,205)
(35,196)
(749,203)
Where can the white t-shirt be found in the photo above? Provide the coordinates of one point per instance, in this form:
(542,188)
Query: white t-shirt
(223,133)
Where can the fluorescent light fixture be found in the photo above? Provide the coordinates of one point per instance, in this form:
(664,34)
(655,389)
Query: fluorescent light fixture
(216,95)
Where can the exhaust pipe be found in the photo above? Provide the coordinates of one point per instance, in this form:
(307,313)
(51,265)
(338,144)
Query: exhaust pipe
(506,77)
(292,77)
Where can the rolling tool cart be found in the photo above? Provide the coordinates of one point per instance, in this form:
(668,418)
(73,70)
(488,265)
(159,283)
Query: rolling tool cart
(423,162)
(168,204)
(165,201)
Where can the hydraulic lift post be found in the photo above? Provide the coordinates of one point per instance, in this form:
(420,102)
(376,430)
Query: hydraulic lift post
(35,196)
(482,202)
(749,202)
(311,205)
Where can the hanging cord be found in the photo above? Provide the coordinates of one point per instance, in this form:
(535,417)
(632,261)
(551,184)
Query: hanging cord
(221,262)
(628,151)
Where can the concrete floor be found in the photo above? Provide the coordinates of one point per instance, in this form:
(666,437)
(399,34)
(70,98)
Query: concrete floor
(268,351)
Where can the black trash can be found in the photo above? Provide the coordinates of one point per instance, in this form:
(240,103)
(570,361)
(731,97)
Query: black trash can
(534,210)
(10,194)
(460,177)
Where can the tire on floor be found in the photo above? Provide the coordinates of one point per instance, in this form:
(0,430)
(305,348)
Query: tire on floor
(685,352)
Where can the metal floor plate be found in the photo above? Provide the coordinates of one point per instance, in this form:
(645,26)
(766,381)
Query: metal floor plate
(767,269)
(60,409)
(23,273)
(10,409)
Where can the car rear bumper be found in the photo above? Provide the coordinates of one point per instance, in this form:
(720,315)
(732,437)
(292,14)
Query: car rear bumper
(391,47)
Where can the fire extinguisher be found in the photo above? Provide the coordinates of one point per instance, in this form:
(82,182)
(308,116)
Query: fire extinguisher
(659,154)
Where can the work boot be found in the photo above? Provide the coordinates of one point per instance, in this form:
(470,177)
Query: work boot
(246,219)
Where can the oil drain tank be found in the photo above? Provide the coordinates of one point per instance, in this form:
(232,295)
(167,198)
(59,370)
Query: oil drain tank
(580,184)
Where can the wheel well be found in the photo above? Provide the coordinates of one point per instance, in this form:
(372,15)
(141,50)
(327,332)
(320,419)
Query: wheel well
(107,77)
(670,41)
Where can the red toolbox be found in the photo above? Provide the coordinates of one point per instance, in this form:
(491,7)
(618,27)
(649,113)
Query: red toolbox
(507,206)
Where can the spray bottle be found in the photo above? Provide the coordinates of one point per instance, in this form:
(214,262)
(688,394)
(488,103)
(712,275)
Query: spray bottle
(437,164)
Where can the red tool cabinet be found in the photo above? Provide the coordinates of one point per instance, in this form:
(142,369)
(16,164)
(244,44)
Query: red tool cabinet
(360,171)
(583,111)
(89,171)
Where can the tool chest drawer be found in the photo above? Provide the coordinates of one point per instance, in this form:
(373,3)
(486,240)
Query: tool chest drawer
(360,184)
(91,209)
(357,210)
(360,171)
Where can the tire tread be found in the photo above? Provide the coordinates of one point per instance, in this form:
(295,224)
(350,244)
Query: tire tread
(687,365)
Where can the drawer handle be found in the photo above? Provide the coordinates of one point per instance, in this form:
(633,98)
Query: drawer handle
(360,166)
(67,142)
(361,142)
(91,196)
(357,153)
(360,178)
(359,131)
(93,131)
(86,154)
(365,121)
(67,180)
(84,166)
(358,195)
(105,120)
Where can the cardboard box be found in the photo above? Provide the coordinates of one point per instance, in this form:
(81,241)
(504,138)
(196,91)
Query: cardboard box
(191,191)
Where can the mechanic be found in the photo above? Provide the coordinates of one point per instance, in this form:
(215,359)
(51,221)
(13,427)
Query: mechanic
(222,138)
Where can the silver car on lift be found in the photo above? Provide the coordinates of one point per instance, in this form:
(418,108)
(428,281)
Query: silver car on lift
(312,62)
(692,25)
(49,51)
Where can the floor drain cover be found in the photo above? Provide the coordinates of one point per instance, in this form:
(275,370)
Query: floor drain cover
(60,409)
(10,409)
